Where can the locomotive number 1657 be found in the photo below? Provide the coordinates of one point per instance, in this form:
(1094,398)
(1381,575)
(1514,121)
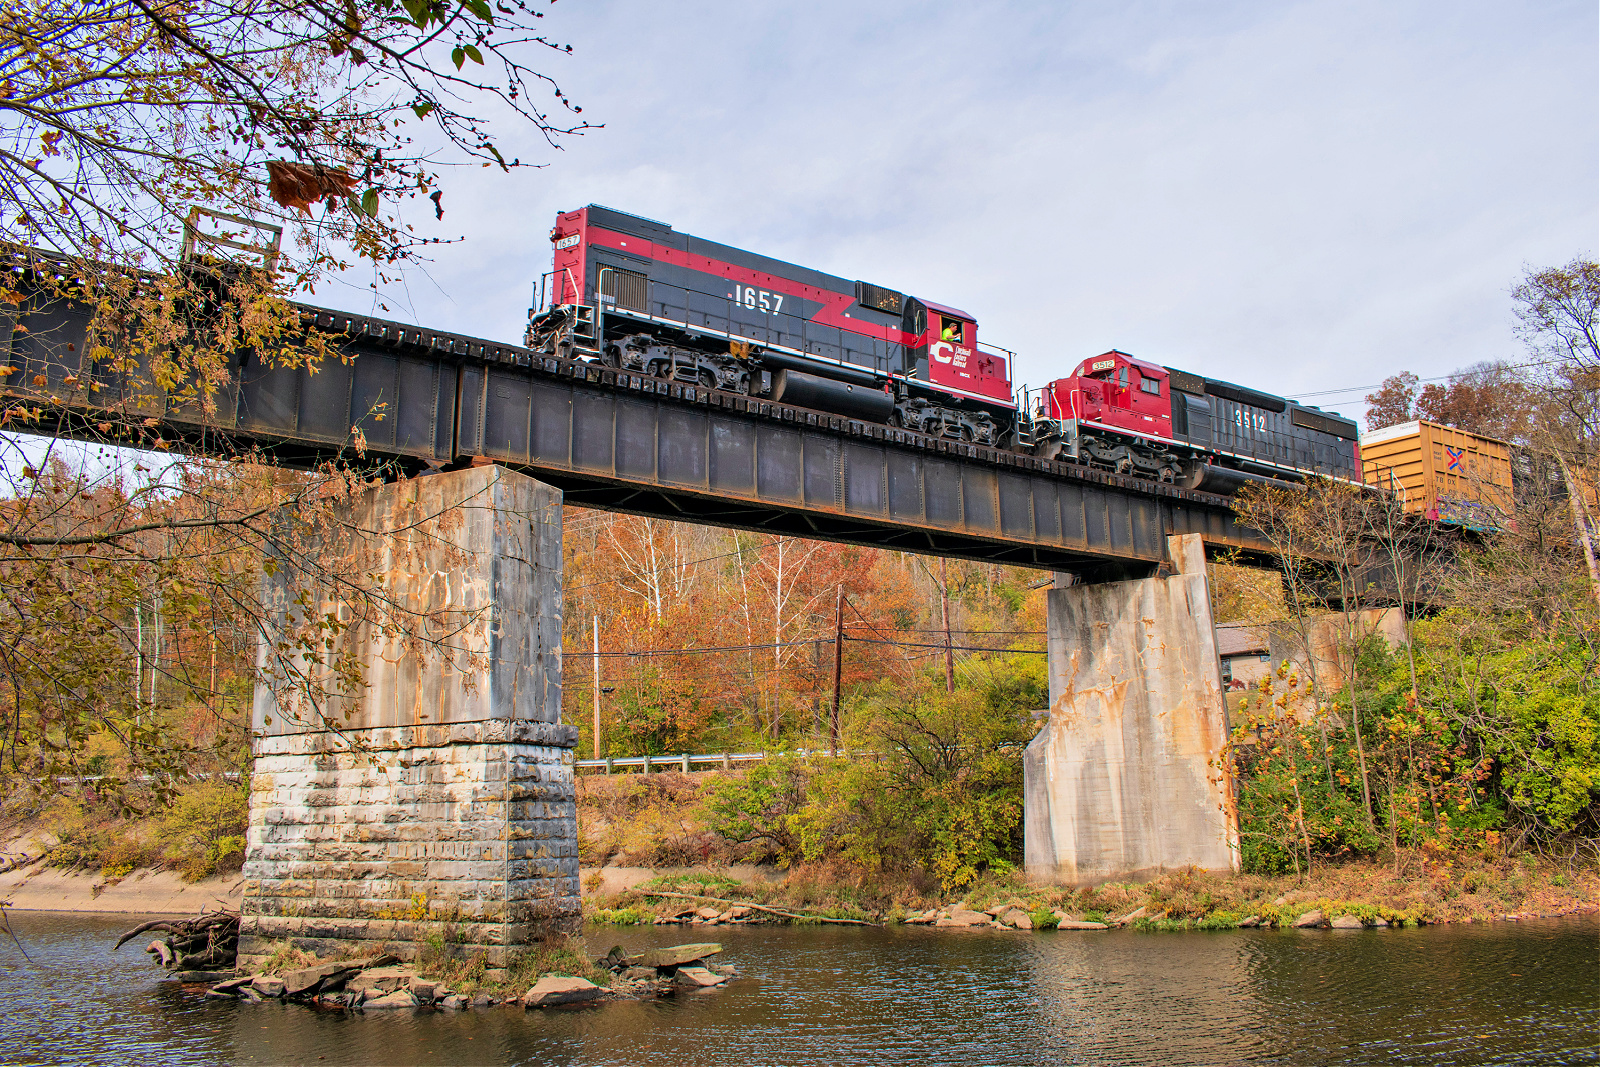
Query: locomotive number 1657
(751,297)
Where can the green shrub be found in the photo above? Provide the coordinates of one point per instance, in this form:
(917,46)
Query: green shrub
(203,831)
(629,916)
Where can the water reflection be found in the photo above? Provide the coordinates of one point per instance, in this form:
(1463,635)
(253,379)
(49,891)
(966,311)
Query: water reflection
(1511,993)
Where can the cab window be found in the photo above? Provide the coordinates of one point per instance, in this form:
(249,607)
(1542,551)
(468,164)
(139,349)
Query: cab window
(1122,375)
(953,331)
(1150,385)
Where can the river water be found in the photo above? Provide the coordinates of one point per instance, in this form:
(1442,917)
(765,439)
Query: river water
(1498,993)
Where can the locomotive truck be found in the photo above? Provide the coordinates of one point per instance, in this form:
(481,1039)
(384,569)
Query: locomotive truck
(636,295)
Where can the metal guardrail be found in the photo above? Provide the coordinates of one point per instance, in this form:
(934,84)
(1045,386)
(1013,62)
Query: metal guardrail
(685,762)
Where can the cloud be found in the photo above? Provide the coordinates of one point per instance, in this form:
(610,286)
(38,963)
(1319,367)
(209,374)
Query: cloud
(1301,196)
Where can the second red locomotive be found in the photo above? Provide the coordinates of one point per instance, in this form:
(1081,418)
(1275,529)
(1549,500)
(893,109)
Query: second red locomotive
(637,295)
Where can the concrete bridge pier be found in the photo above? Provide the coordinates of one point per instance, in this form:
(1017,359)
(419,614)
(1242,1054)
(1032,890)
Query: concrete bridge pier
(1123,783)
(435,805)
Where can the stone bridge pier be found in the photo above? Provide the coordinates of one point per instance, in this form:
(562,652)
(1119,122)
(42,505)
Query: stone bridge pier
(434,804)
(1124,782)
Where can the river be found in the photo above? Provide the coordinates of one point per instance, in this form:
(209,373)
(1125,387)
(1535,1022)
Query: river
(1480,994)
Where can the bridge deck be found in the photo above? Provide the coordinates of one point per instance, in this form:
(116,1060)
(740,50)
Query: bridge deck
(428,399)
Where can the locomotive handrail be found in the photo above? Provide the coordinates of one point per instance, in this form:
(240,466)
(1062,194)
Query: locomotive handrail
(880,364)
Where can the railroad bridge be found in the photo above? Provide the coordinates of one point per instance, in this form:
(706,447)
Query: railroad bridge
(460,788)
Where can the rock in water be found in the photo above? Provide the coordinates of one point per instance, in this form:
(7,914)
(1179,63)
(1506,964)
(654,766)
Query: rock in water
(677,955)
(310,979)
(963,917)
(1250,922)
(1348,922)
(1017,918)
(1079,924)
(1308,920)
(200,976)
(375,980)
(400,998)
(561,989)
(267,986)
(698,976)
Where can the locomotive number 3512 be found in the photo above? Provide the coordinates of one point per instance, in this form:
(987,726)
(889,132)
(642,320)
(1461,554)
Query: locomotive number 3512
(751,297)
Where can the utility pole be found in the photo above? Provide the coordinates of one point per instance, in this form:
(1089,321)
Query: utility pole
(944,613)
(596,673)
(838,669)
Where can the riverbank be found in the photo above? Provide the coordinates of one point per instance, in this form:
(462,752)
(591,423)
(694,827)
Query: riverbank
(139,892)
(632,827)
(1463,890)
(1475,890)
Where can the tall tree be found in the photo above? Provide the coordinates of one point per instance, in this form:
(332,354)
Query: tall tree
(1558,314)
(325,122)
(1394,402)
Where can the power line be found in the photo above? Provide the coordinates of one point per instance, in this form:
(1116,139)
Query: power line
(941,646)
(940,630)
(1444,378)
(710,648)
(676,566)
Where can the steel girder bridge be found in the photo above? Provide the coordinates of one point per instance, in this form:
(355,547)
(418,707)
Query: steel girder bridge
(429,400)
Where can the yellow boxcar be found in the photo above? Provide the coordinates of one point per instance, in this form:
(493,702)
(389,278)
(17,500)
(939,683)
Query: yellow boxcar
(1444,473)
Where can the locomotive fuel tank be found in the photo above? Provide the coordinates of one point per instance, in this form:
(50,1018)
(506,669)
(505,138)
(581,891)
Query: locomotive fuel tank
(858,401)
(1214,478)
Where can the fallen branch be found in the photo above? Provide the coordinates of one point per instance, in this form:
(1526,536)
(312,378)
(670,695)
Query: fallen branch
(748,904)
(204,942)
(153,924)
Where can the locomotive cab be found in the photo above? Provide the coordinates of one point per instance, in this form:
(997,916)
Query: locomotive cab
(943,351)
(1117,390)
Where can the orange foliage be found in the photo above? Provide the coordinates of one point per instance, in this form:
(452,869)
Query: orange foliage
(767,605)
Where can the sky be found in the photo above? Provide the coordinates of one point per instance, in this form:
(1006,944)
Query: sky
(1301,197)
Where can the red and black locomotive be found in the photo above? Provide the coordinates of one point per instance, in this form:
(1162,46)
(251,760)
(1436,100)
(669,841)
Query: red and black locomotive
(639,296)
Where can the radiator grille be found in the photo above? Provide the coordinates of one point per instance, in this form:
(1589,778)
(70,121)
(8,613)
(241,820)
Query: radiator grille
(872,296)
(1185,382)
(626,288)
(1316,420)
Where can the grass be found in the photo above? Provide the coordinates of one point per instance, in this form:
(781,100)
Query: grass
(285,957)
(470,975)
(1465,888)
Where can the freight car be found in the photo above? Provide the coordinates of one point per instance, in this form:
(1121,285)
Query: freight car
(1441,472)
(637,295)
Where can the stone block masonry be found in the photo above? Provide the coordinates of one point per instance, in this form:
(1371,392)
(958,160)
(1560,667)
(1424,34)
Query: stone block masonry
(434,805)
(1124,783)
